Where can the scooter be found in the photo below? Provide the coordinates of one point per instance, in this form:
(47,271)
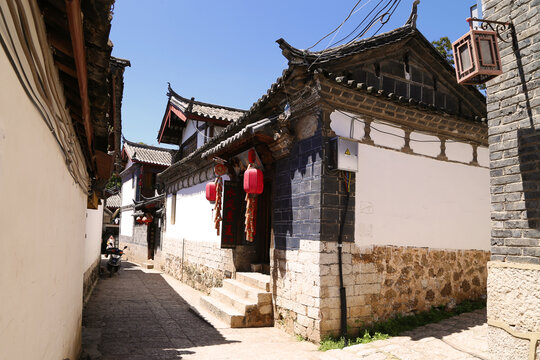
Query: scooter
(113,264)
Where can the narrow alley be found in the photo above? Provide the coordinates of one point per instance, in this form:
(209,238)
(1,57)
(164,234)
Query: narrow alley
(144,314)
(141,314)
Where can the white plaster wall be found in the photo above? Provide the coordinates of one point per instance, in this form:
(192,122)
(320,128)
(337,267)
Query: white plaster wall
(483,156)
(411,200)
(351,125)
(92,241)
(126,223)
(128,190)
(194,217)
(42,237)
(459,152)
(189,130)
(200,138)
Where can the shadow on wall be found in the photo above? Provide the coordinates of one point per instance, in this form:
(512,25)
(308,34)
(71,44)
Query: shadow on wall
(137,315)
(529,166)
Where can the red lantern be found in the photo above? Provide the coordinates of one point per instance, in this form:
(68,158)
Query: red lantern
(147,219)
(138,220)
(211,191)
(253,181)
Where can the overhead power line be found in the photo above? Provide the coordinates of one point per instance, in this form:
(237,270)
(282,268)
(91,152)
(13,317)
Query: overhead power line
(381,12)
(336,29)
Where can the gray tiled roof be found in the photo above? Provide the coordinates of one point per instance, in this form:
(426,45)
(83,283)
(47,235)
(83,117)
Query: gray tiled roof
(148,154)
(304,56)
(114,201)
(205,109)
(234,127)
(361,87)
(249,129)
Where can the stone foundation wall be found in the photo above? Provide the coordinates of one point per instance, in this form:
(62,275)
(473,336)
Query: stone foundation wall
(295,286)
(382,281)
(135,252)
(90,279)
(513,302)
(204,264)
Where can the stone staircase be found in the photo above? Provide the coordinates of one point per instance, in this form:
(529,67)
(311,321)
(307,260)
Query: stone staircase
(242,302)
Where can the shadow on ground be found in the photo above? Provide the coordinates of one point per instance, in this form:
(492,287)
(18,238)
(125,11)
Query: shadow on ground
(463,323)
(136,315)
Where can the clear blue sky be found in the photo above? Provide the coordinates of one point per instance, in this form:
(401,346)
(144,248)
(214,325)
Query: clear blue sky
(224,52)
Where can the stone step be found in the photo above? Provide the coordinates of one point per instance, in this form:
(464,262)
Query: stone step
(256,280)
(230,299)
(227,314)
(248,292)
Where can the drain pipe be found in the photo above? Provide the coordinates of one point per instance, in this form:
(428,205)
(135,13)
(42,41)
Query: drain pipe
(342,292)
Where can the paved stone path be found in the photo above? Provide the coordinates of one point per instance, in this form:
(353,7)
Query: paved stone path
(463,337)
(141,314)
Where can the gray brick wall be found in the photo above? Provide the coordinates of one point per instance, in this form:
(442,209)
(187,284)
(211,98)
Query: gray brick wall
(140,234)
(334,195)
(297,195)
(309,200)
(514,136)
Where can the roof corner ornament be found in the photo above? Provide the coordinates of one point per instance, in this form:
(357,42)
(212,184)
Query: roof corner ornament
(189,108)
(412,18)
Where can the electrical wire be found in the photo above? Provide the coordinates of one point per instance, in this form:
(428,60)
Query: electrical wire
(389,16)
(383,15)
(200,133)
(366,28)
(336,29)
(379,16)
(333,37)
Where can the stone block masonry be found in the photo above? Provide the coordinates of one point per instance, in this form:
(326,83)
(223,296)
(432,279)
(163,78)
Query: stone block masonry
(137,245)
(203,265)
(382,281)
(513,100)
(295,285)
(90,279)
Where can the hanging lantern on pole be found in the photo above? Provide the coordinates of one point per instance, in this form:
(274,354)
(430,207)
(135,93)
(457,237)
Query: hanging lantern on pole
(476,56)
(253,186)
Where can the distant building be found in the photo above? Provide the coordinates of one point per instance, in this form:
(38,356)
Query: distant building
(111,215)
(140,200)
